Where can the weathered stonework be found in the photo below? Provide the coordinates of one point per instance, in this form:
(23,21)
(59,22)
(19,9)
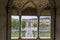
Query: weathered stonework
(3,20)
(19,5)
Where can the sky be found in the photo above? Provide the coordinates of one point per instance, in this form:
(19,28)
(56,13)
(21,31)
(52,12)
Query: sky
(28,17)
(23,17)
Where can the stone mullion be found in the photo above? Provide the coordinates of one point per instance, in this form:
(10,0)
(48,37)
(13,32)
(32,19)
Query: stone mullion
(19,24)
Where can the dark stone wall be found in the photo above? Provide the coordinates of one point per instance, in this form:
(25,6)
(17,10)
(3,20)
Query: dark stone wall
(58,20)
(3,19)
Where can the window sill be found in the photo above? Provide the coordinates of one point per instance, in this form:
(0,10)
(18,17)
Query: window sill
(45,37)
(31,38)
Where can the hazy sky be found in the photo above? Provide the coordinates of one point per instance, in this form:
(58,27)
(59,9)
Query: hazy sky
(24,17)
(27,17)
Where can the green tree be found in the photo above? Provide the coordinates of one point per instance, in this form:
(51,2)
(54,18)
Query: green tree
(23,23)
(48,25)
(14,23)
(42,24)
(35,25)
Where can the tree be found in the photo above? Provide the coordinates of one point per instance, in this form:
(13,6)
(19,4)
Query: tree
(48,25)
(42,24)
(23,23)
(14,23)
(35,25)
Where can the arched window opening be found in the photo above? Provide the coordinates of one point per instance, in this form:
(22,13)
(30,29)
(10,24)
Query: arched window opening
(30,20)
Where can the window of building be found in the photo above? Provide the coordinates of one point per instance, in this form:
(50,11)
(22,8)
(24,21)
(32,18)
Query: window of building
(32,22)
(14,27)
(29,25)
(45,27)
(29,28)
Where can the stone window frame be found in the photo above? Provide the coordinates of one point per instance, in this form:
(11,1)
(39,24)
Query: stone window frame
(53,20)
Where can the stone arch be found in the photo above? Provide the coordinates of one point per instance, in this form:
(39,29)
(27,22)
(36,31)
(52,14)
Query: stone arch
(52,3)
(31,2)
(29,7)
